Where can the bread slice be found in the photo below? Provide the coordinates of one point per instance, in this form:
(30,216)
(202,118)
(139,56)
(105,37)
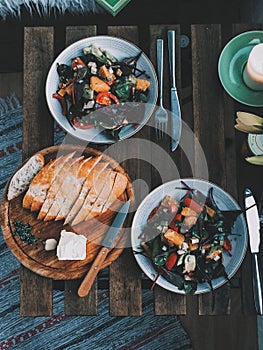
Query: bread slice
(23,177)
(93,175)
(54,188)
(94,193)
(36,194)
(33,187)
(64,184)
(78,179)
(104,194)
(120,185)
(111,192)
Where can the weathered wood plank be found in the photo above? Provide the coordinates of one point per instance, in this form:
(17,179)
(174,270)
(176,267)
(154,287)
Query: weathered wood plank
(35,294)
(209,129)
(75,33)
(74,305)
(37,134)
(166,302)
(37,121)
(208,103)
(125,284)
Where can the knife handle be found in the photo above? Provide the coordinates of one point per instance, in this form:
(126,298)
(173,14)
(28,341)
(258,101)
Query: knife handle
(159,53)
(257,284)
(172,60)
(90,277)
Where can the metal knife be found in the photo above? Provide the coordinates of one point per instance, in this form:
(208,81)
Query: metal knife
(176,122)
(107,244)
(253,224)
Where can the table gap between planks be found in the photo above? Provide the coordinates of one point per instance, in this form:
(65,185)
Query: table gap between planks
(211,116)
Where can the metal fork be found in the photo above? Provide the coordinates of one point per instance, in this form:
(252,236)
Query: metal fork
(161,115)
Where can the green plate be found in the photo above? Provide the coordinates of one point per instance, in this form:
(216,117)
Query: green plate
(231,64)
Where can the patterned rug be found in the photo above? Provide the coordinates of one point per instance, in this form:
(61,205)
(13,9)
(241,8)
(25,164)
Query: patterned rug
(59,331)
(45,8)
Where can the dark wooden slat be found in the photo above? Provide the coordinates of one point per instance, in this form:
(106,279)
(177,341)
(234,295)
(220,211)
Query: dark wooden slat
(37,121)
(166,302)
(209,129)
(35,294)
(74,305)
(125,284)
(75,33)
(37,134)
(208,103)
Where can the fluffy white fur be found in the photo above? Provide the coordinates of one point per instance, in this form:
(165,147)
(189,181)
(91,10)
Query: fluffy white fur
(46,7)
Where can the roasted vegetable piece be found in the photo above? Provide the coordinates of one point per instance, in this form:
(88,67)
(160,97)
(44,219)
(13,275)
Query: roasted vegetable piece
(174,237)
(81,125)
(142,84)
(98,85)
(77,63)
(63,103)
(106,73)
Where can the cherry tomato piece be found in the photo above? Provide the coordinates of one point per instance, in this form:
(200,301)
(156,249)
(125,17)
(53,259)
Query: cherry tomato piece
(171,260)
(106,98)
(190,203)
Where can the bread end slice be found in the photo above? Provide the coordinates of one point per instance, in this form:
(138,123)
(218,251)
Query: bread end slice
(23,177)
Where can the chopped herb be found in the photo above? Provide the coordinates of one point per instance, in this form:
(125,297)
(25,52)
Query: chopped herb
(23,231)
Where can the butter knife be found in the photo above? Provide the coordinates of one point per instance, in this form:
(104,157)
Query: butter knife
(253,224)
(176,122)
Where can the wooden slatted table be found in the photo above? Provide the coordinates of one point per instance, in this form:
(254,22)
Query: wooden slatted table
(207,110)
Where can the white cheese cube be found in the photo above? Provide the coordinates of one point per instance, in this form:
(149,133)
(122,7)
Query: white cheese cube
(50,244)
(71,246)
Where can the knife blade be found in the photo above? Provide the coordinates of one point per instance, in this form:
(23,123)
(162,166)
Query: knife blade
(176,122)
(253,224)
(106,244)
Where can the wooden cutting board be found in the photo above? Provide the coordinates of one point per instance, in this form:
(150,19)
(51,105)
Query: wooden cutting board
(35,257)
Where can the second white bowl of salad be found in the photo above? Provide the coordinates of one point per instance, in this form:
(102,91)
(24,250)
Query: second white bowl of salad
(189,236)
(101,89)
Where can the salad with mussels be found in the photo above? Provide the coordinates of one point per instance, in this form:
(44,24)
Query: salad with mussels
(97,90)
(185,239)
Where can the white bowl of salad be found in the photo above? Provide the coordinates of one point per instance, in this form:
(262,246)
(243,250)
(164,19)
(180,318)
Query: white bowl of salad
(189,236)
(101,89)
